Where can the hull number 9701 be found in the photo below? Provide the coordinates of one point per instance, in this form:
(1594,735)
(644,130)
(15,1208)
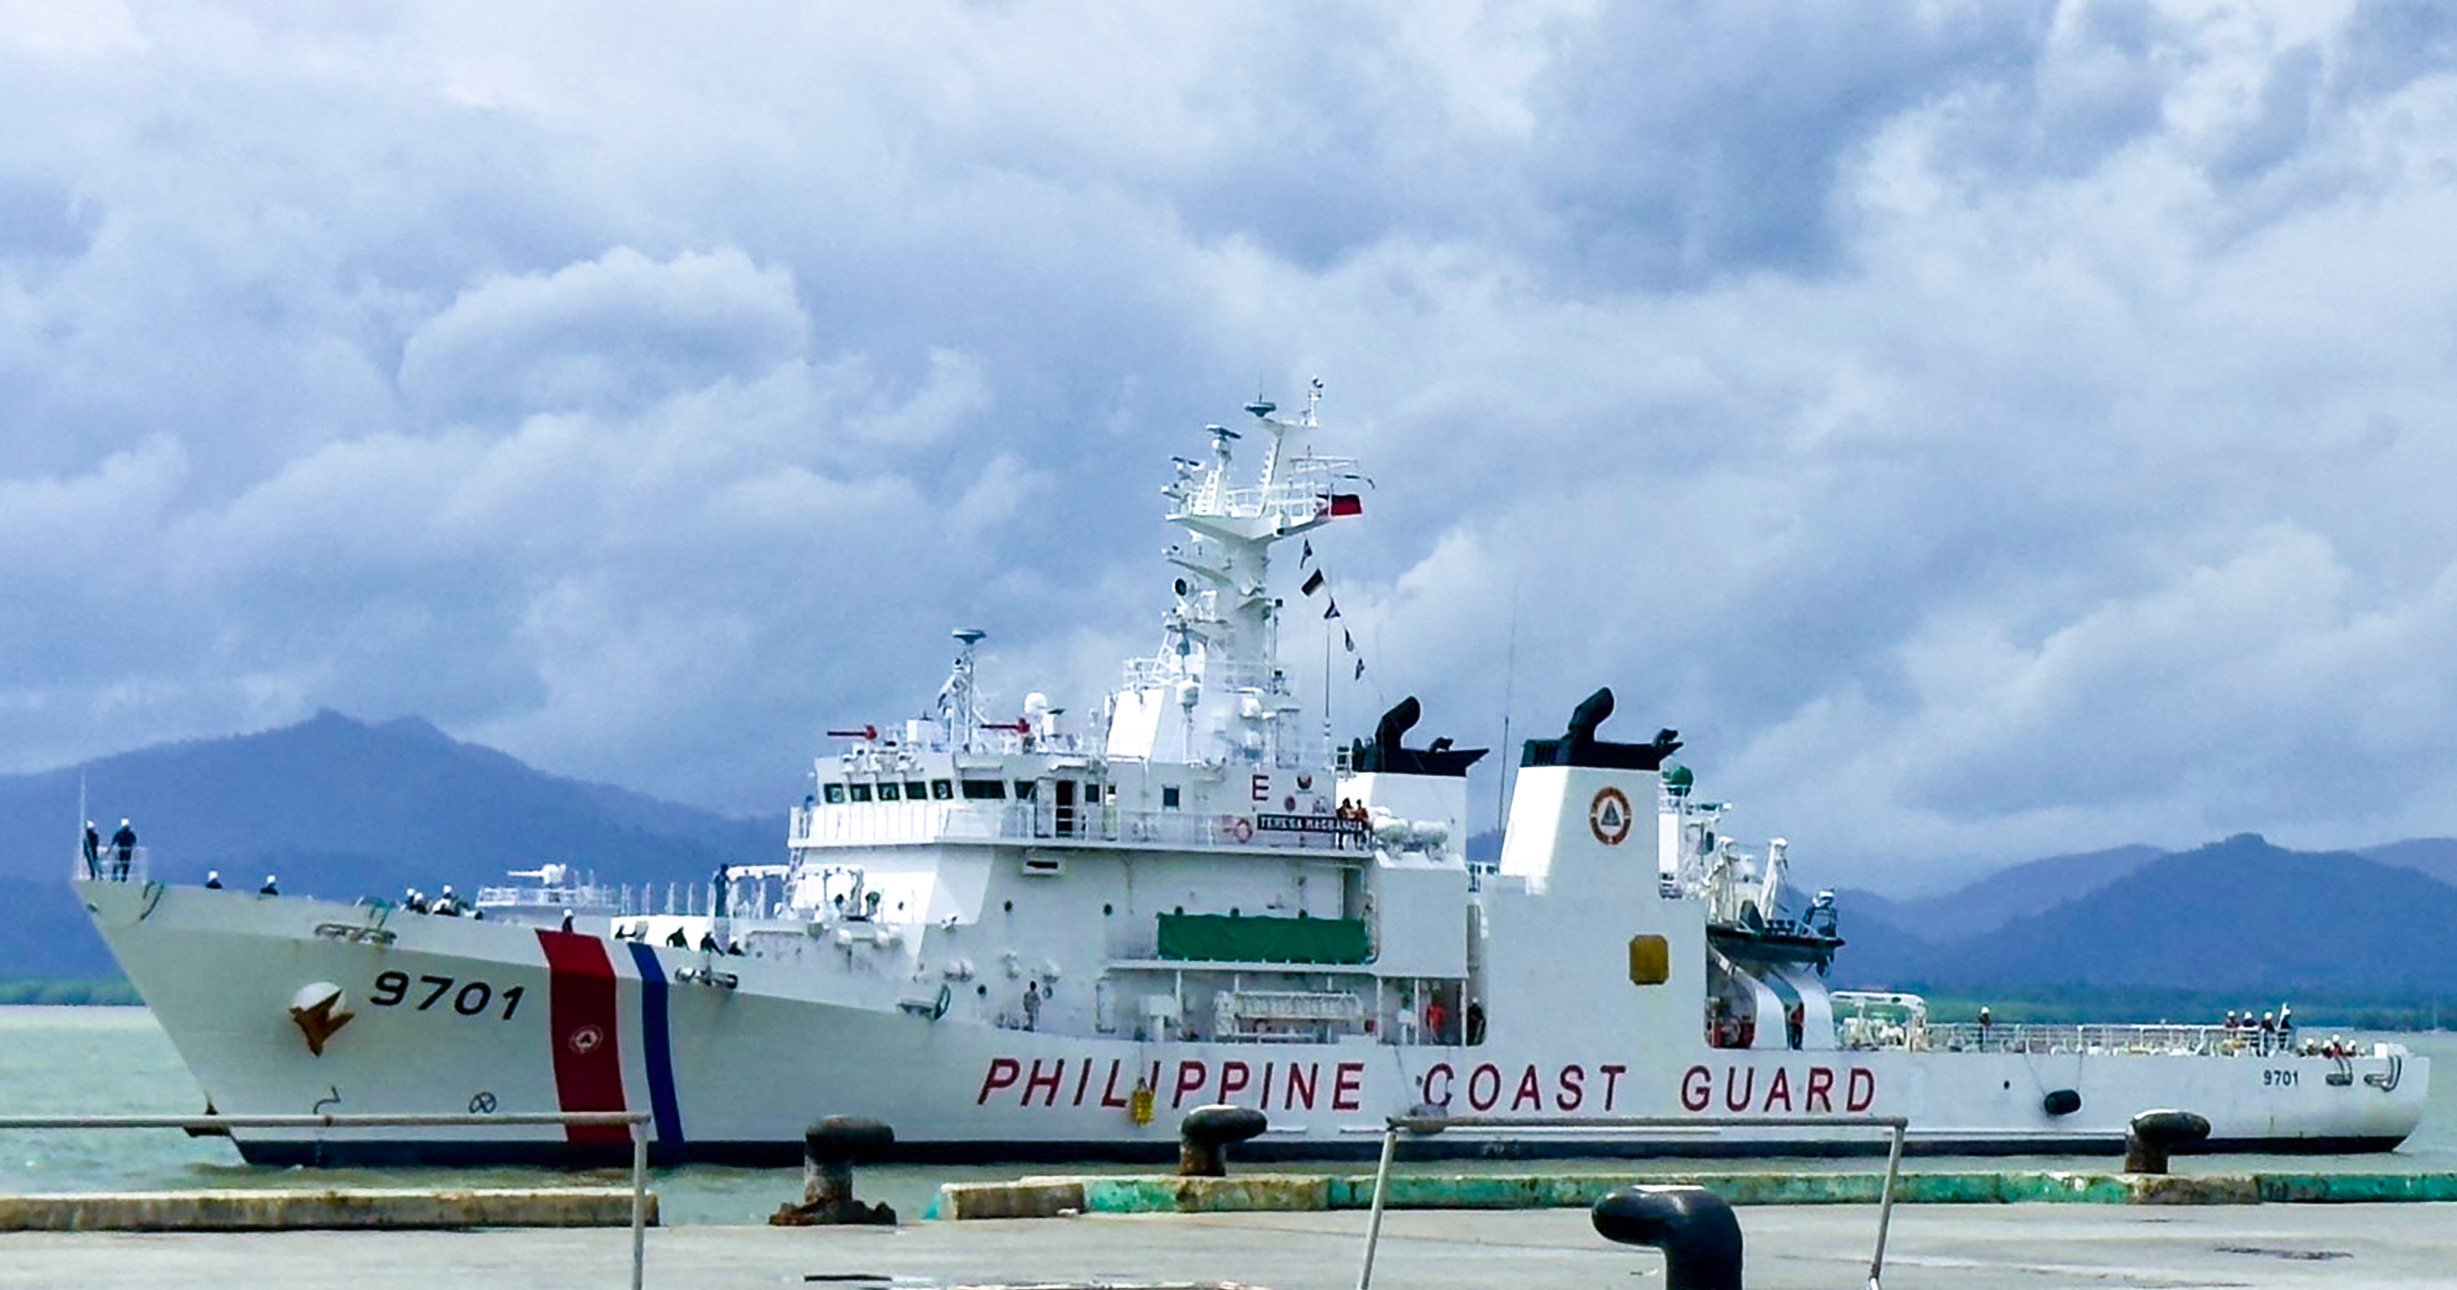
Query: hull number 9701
(468,998)
(2274,1077)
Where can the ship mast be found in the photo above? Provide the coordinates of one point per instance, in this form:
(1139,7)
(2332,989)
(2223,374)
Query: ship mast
(1215,691)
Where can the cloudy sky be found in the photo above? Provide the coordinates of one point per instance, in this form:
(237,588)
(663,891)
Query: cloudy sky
(1984,429)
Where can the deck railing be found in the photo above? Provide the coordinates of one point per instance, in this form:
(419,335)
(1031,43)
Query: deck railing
(2032,1037)
(889,823)
(109,865)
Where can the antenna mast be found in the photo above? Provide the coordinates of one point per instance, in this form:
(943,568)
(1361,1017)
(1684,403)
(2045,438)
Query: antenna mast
(960,702)
(1510,675)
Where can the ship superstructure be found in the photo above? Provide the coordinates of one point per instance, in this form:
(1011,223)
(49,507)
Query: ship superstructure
(1036,934)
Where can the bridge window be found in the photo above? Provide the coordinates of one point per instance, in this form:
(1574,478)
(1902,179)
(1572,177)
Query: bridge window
(835,793)
(861,792)
(941,790)
(984,790)
(915,790)
(1023,790)
(1168,797)
(888,792)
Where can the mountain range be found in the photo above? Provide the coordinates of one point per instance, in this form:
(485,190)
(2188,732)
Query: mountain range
(2236,915)
(337,807)
(343,808)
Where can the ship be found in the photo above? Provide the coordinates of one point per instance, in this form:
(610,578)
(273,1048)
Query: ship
(1040,937)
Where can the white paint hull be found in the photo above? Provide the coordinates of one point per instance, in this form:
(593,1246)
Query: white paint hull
(736,1074)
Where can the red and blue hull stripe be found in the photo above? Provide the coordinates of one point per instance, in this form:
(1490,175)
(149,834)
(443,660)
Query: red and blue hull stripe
(585,1029)
(657,1029)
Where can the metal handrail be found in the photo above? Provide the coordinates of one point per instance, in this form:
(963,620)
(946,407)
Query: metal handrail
(874,823)
(636,1121)
(1394,1126)
(106,865)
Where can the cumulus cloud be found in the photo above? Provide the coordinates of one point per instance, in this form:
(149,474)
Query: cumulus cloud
(1985,428)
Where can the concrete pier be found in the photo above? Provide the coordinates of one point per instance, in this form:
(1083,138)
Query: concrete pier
(302,1209)
(1790,1248)
(1045,1197)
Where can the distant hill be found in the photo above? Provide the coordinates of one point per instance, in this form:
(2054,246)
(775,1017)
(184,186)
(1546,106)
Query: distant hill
(2238,915)
(341,808)
(2032,887)
(2432,857)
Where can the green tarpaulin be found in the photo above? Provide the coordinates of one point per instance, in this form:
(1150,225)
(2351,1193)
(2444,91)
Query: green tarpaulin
(1224,938)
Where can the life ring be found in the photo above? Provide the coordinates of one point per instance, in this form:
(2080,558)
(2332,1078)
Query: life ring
(946,997)
(1242,829)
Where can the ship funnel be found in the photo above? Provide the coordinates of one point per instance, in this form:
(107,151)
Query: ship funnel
(1577,805)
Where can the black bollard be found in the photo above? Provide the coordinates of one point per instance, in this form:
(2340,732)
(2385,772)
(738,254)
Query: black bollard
(1691,1225)
(829,1150)
(2156,1133)
(1204,1136)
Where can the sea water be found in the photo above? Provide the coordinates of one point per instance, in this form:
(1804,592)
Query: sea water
(116,1061)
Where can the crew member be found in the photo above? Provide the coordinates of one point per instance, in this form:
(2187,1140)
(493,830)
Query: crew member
(1985,1023)
(2269,1032)
(93,851)
(412,901)
(1436,1016)
(567,920)
(1475,1022)
(270,887)
(1032,1005)
(123,850)
(213,880)
(677,939)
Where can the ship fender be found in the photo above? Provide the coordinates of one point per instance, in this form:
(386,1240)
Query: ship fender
(2063,1101)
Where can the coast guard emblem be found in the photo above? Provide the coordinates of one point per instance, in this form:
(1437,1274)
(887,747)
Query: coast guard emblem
(318,1010)
(585,1040)
(1608,817)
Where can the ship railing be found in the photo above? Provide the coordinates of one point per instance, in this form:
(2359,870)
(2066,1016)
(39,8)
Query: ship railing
(2108,1038)
(109,865)
(194,1125)
(1419,1125)
(893,823)
(1218,673)
(551,899)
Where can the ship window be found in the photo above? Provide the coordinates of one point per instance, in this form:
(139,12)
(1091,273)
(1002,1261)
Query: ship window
(888,792)
(835,794)
(1023,790)
(915,790)
(979,790)
(941,790)
(861,792)
(1168,797)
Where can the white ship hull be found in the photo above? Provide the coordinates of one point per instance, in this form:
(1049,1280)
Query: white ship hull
(736,1074)
(990,933)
